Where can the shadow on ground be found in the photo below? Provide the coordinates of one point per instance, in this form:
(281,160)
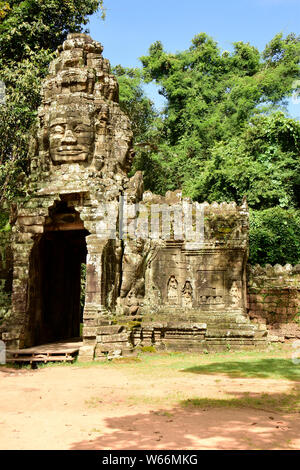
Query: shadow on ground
(195,425)
(263,368)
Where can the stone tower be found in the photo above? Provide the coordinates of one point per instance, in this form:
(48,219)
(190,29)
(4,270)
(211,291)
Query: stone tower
(80,157)
(145,285)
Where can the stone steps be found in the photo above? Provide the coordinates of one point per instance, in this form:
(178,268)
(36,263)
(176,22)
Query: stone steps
(196,332)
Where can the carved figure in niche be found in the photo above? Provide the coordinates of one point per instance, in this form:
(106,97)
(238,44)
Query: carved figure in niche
(133,283)
(133,265)
(132,302)
(71,134)
(173,291)
(187,295)
(235,294)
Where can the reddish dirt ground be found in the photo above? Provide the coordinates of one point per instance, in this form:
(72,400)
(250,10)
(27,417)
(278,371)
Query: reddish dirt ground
(103,408)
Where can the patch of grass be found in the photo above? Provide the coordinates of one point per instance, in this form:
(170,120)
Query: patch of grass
(43,365)
(93,402)
(260,368)
(10,365)
(282,402)
(151,399)
(148,349)
(98,431)
(126,360)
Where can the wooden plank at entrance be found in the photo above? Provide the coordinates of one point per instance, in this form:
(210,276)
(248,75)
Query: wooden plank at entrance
(46,359)
(63,351)
(58,347)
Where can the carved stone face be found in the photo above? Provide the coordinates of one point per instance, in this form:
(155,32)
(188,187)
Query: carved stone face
(71,136)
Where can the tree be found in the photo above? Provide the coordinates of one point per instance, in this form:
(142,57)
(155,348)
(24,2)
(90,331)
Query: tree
(275,236)
(134,102)
(212,96)
(262,163)
(30,32)
(30,25)
(225,135)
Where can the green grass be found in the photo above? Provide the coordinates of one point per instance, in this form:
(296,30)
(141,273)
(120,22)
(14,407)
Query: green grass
(281,402)
(275,363)
(269,368)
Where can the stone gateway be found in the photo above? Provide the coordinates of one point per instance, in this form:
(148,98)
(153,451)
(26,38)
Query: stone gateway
(161,271)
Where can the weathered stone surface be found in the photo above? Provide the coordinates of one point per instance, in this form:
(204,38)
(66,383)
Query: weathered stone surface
(86,353)
(172,277)
(274,298)
(6,272)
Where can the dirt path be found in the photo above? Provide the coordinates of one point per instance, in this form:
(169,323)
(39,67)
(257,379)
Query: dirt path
(111,408)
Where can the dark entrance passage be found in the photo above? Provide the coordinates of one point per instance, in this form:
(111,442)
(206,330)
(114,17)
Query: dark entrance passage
(55,295)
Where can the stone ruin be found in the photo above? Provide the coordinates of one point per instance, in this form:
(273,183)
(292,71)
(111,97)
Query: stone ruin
(161,271)
(274,300)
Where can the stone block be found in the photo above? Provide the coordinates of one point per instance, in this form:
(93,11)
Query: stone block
(89,331)
(109,347)
(110,330)
(112,338)
(33,220)
(86,353)
(33,229)
(10,335)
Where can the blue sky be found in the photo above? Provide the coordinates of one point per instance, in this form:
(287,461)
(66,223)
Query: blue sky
(131,26)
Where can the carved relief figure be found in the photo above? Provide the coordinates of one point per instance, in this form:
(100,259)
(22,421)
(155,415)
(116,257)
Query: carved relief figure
(187,295)
(173,291)
(133,283)
(210,288)
(235,294)
(132,302)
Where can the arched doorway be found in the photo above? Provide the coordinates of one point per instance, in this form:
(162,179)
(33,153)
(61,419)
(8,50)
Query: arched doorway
(55,279)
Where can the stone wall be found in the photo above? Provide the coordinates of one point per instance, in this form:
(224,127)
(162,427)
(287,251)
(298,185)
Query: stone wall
(274,299)
(177,294)
(5,275)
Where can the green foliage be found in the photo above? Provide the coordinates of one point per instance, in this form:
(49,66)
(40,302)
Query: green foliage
(4,221)
(261,163)
(40,25)
(145,120)
(224,135)
(4,9)
(17,116)
(30,32)
(214,98)
(134,102)
(275,236)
